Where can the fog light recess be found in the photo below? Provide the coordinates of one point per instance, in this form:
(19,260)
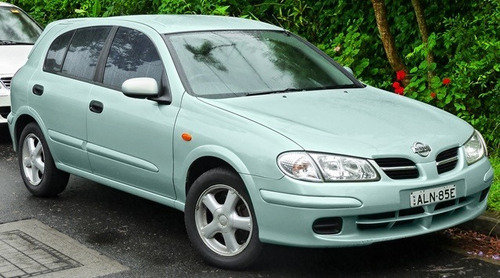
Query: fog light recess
(484,194)
(327,226)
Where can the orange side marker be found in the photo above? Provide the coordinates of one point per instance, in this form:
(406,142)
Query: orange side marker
(186,137)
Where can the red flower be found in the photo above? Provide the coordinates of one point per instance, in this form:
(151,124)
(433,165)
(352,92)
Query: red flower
(433,95)
(396,85)
(399,90)
(400,74)
(446,81)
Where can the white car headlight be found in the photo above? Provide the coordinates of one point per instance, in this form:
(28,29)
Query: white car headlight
(298,165)
(327,167)
(475,148)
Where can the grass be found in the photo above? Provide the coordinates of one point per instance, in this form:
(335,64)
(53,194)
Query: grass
(494,197)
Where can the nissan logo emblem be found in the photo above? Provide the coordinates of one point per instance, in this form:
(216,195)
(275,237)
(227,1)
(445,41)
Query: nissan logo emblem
(421,149)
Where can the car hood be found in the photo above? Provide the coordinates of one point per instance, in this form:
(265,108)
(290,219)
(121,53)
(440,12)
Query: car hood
(364,122)
(13,57)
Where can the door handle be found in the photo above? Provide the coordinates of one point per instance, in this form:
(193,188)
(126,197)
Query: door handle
(96,106)
(37,89)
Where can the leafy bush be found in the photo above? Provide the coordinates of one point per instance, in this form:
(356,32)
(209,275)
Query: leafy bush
(464,39)
(471,61)
(494,197)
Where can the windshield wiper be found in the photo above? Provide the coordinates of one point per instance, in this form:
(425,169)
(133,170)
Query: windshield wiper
(287,90)
(7,42)
(332,87)
(275,92)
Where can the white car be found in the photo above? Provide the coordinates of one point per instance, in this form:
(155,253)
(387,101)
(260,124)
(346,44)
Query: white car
(18,33)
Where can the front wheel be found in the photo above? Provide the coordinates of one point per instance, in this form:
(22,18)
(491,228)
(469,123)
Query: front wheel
(38,170)
(220,221)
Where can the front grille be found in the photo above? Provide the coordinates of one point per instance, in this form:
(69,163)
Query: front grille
(6,81)
(398,168)
(412,216)
(447,160)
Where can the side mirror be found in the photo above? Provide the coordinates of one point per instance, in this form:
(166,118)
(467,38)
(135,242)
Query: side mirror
(348,69)
(141,87)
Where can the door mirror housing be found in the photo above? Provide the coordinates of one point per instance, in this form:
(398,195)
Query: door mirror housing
(145,87)
(141,87)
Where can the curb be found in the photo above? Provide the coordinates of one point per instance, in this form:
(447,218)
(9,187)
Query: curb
(488,223)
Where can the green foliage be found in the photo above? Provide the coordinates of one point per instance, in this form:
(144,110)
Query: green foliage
(47,11)
(475,66)
(194,7)
(351,48)
(464,40)
(494,197)
(89,9)
(471,60)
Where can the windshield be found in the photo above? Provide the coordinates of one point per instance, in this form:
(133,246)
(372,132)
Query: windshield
(241,63)
(16,27)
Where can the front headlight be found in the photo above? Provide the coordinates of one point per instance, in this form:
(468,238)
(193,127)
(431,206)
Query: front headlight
(327,167)
(298,165)
(475,148)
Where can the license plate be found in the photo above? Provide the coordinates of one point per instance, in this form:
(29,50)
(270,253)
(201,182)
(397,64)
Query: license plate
(433,195)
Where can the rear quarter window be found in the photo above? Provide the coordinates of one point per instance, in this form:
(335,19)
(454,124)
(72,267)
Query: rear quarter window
(57,52)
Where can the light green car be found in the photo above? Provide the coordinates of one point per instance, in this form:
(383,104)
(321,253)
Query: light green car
(250,130)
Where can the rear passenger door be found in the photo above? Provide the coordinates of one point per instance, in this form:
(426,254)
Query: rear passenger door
(61,91)
(130,139)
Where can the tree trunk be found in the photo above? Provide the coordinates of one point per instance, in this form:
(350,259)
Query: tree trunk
(422,26)
(387,38)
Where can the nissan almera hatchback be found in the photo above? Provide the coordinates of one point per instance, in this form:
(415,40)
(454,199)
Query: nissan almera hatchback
(251,131)
(18,33)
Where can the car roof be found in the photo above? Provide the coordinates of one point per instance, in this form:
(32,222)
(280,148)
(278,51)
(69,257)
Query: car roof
(167,24)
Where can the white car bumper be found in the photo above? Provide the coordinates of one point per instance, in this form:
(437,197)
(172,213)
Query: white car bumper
(4,103)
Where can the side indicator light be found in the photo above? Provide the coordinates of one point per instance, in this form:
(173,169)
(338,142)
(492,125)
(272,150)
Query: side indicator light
(186,137)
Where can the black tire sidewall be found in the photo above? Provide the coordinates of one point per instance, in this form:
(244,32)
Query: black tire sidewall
(53,181)
(232,179)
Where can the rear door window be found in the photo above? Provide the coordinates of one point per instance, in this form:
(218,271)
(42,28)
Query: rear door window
(83,52)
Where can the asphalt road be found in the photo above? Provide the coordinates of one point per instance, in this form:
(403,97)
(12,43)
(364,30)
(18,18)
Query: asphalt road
(151,239)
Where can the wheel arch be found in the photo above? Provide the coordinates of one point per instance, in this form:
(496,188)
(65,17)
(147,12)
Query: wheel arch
(21,122)
(202,165)
(202,159)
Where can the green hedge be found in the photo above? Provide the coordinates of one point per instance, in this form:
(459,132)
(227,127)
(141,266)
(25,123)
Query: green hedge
(464,40)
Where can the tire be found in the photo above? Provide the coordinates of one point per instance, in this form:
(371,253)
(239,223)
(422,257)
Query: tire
(38,170)
(220,220)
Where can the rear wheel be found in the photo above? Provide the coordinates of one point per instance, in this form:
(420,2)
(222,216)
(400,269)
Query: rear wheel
(220,220)
(38,170)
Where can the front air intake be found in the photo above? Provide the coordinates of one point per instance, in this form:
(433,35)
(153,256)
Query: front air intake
(447,160)
(398,168)
(6,81)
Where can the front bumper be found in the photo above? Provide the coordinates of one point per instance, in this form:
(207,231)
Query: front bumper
(4,104)
(287,209)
